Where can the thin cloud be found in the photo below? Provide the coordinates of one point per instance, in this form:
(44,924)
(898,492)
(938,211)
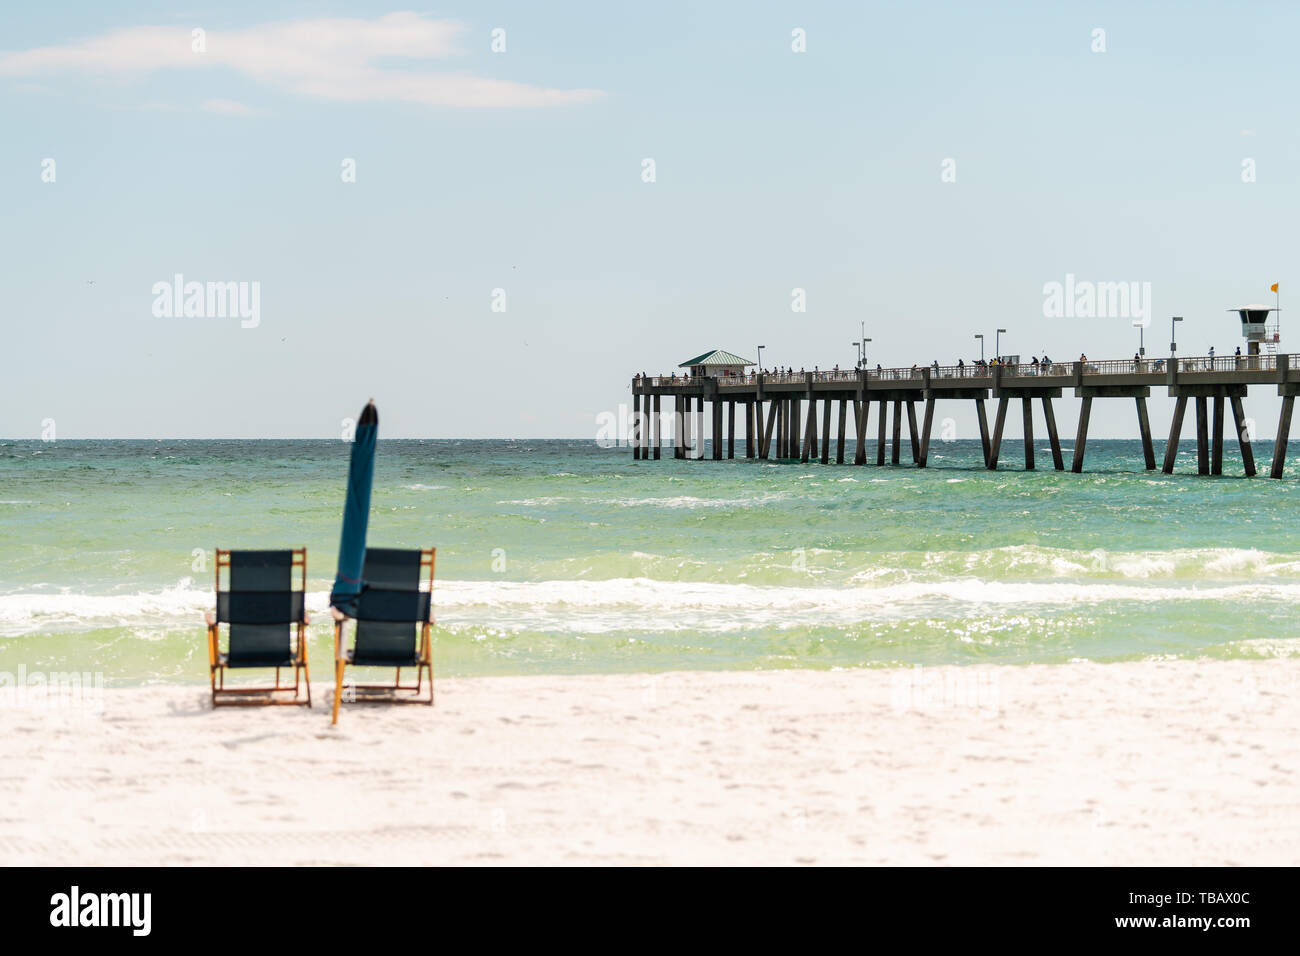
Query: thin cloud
(332,59)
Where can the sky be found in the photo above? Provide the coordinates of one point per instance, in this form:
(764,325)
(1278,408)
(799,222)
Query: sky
(501,267)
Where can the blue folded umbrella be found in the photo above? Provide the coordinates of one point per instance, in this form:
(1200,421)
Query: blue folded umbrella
(348,582)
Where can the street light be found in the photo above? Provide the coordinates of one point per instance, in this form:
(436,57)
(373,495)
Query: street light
(858,345)
(760,357)
(997,344)
(864,351)
(1173,341)
(980,336)
(1141,347)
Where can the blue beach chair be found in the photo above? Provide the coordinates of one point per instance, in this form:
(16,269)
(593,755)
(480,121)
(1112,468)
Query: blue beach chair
(265,619)
(394,618)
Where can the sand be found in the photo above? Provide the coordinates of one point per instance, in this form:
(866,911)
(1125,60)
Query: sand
(1135,763)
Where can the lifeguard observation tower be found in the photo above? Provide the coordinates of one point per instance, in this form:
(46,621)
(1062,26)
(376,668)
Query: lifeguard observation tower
(1260,334)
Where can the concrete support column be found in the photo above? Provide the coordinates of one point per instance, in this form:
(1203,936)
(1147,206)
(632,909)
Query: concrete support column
(839,442)
(1052,436)
(656,422)
(984,429)
(861,408)
(636,427)
(1081,436)
(1216,450)
(898,432)
(1175,432)
(782,426)
(753,414)
(1283,433)
(716,408)
(679,427)
(1144,426)
(1202,436)
(765,440)
(1247,453)
(880,442)
(731,428)
(699,428)
(826,431)
(995,448)
(911,433)
(809,449)
(796,427)
(1027,413)
(927,424)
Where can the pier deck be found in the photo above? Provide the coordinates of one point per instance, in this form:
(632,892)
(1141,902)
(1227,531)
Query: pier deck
(780,411)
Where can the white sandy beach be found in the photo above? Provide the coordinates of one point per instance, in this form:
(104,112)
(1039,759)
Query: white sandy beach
(1142,763)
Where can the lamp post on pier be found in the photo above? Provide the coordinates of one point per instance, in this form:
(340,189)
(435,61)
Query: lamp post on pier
(1173,339)
(980,336)
(760,357)
(997,344)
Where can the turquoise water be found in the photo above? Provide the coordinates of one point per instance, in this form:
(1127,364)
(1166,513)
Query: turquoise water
(564,556)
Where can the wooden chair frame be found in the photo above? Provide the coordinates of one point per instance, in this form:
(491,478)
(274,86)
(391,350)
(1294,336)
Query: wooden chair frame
(396,692)
(223,696)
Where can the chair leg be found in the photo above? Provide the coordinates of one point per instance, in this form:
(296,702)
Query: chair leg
(338,688)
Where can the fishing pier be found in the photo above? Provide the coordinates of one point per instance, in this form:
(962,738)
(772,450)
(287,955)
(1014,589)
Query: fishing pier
(804,416)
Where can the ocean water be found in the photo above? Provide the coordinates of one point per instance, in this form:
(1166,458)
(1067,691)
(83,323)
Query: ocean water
(561,556)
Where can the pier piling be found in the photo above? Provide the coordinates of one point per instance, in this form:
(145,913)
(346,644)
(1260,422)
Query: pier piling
(1216,451)
(927,423)
(911,429)
(1202,437)
(1027,413)
(839,442)
(731,430)
(1175,432)
(995,449)
(1283,433)
(898,432)
(880,443)
(984,429)
(1050,417)
(826,431)
(1144,426)
(655,423)
(861,408)
(752,415)
(1243,437)
(1081,434)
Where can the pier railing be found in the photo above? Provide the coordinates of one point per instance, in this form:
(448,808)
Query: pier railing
(1137,366)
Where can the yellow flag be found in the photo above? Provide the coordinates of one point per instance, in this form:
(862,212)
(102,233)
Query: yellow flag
(1274,289)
